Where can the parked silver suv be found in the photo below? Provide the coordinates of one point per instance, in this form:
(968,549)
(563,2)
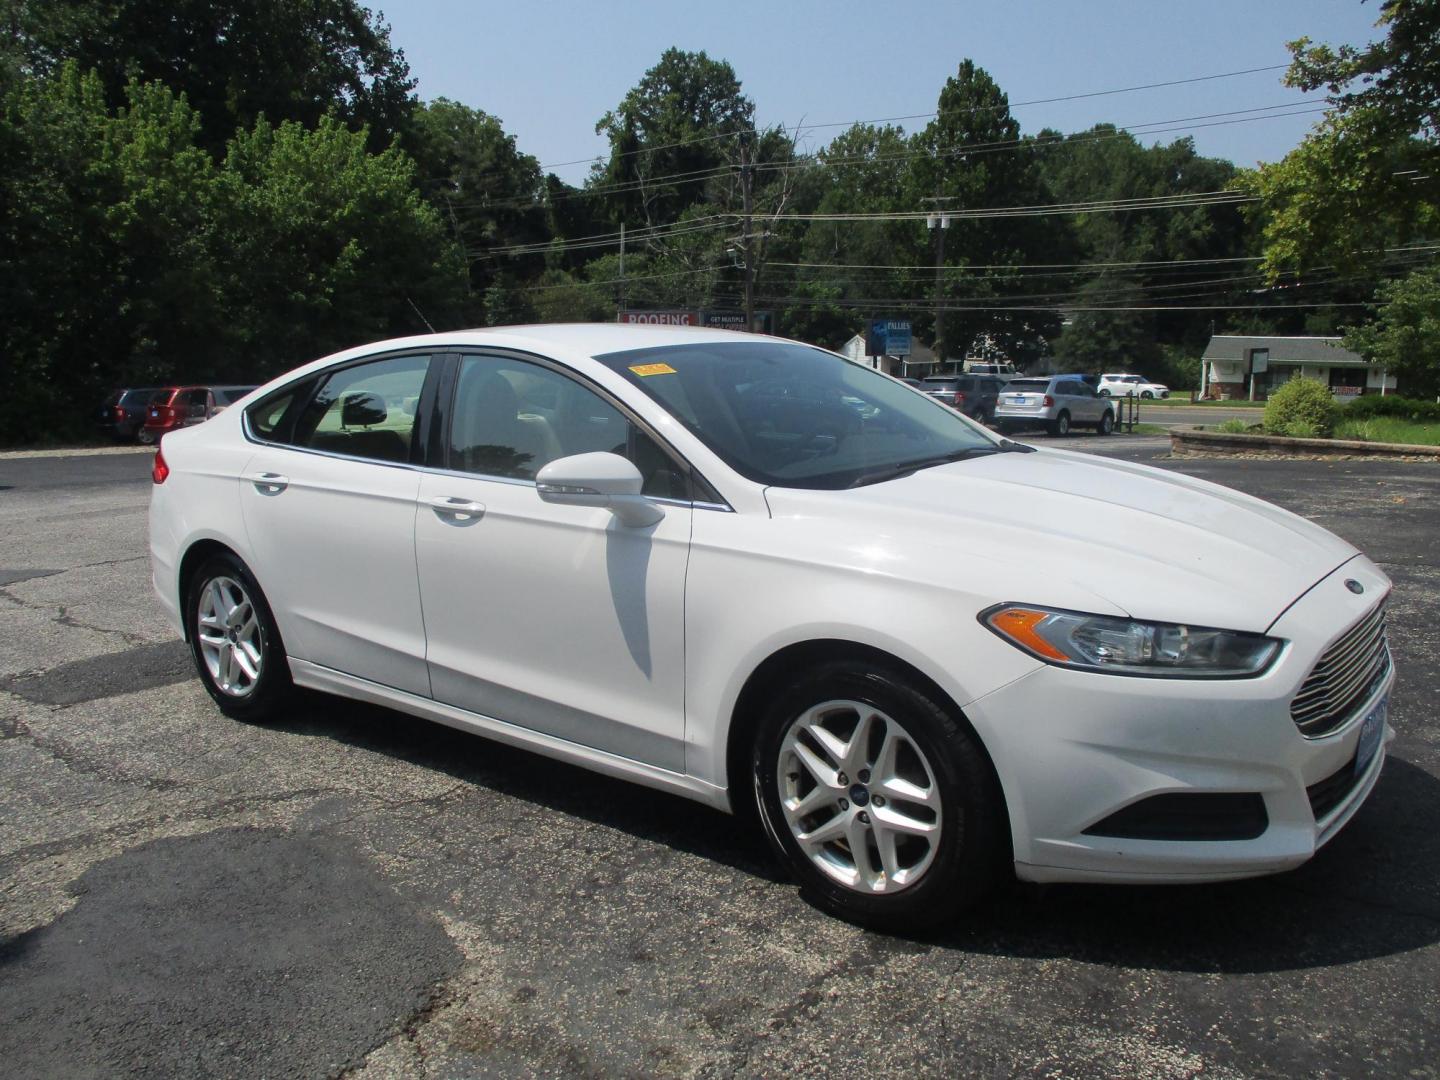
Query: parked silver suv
(1057,402)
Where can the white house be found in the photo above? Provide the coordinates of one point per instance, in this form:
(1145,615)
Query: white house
(1230,362)
(917,365)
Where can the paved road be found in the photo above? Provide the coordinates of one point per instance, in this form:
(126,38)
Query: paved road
(354,890)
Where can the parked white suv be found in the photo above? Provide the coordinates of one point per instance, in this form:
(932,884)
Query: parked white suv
(1054,402)
(1121,385)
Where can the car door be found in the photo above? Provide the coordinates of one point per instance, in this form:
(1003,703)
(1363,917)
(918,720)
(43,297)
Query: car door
(557,618)
(329,506)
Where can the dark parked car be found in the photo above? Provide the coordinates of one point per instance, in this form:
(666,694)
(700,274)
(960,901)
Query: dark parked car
(973,395)
(123,413)
(180,406)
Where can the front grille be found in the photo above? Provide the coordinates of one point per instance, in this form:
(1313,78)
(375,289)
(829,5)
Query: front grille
(1344,677)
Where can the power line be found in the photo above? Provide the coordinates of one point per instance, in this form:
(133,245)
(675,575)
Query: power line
(921,116)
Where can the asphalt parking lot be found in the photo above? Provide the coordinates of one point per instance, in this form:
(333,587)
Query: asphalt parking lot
(356,892)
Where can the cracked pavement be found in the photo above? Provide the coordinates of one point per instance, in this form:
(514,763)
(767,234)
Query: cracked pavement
(355,892)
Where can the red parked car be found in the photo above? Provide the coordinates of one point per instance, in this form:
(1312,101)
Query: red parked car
(180,406)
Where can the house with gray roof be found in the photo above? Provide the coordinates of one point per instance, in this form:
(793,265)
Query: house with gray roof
(1250,366)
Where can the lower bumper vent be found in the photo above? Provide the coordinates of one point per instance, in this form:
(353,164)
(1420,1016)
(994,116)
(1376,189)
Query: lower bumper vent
(1188,816)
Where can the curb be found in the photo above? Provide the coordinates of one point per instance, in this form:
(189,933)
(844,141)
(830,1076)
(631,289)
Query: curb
(1195,440)
(74,451)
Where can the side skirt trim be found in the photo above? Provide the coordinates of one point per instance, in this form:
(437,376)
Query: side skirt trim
(327,680)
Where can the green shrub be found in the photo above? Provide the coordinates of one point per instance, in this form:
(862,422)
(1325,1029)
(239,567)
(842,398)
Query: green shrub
(1372,405)
(1233,426)
(1302,409)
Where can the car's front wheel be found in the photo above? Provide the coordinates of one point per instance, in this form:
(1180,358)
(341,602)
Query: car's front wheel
(234,640)
(878,798)
(1107,423)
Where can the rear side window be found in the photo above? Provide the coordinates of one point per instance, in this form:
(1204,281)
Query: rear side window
(268,417)
(365,410)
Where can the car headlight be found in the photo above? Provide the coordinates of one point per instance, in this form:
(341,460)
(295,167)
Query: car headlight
(1128,647)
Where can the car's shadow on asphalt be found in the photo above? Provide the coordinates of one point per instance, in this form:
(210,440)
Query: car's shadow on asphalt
(677,822)
(1374,891)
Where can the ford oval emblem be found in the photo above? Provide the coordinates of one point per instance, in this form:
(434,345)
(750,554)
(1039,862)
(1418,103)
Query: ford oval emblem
(1354,586)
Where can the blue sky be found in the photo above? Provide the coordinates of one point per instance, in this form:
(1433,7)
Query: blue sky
(549,69)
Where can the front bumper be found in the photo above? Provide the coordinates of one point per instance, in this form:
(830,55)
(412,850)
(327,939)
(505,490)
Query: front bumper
(1073,748)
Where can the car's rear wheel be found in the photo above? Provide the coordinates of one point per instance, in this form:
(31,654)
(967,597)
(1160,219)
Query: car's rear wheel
(234,640)
(1104,393)
(1107,423)
(878,798)
(1146,394)
(145,437)
(1060,425)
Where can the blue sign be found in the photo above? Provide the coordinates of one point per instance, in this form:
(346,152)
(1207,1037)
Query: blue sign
(897,337)
(887,337)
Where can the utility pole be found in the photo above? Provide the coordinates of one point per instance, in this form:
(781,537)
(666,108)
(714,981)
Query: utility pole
(939,223)
(623,298)
(747,240)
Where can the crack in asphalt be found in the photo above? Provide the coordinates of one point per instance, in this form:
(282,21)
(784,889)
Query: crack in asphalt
(62,617)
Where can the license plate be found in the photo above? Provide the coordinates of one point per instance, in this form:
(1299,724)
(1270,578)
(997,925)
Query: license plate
(1017,401)
(1372,732)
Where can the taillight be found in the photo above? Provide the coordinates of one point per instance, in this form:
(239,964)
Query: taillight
(159,471)
(119,413)
(1049,401)
(959,398)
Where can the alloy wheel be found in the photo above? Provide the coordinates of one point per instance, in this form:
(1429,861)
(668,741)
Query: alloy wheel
(859,796)
(228,631)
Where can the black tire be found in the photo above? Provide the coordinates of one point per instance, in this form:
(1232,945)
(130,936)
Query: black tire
(1107,423)
(1104,393)
(973,851)
(1060,426)
(272,688)
(145,438)
(1146,394)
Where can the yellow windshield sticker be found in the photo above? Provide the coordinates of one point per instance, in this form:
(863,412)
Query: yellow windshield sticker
(652,369)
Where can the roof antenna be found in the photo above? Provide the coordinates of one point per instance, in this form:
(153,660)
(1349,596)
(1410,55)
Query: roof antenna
(422,315)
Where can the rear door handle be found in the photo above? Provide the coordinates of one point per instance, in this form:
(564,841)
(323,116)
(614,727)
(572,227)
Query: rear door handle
(269,483)
(458,511)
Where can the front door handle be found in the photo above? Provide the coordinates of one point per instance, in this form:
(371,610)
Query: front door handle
(269,483)
(458,511)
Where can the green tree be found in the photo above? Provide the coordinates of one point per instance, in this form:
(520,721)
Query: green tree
(328,245)
(970,157)
(106,271)
(669,136)
(234,61)
(488,193)
(1353,189)
(1404,336)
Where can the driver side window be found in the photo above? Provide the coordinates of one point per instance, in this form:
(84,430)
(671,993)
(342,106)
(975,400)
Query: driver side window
(511,418)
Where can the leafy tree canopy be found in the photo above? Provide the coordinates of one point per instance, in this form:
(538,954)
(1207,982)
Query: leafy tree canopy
(234,60)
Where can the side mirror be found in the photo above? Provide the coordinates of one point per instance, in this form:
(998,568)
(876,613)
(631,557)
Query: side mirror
(599,479)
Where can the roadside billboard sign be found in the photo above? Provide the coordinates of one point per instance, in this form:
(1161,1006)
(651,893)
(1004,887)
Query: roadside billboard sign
(661,318)
(735,320)
(887,337)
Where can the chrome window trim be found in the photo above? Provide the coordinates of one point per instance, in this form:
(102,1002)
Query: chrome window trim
(430,470)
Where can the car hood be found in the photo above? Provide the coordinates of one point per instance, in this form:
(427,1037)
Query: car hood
(1050,526)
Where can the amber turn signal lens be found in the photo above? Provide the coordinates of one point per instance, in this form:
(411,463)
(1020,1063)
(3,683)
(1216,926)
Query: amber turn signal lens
(1018,624)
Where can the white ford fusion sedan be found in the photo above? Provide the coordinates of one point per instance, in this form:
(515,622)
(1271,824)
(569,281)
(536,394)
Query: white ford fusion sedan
(750,572)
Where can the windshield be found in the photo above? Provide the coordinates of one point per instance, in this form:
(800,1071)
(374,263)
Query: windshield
(794,416)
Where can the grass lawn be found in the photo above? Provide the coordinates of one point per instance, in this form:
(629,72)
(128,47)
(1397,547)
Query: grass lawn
(1183,400)
(1389,429)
